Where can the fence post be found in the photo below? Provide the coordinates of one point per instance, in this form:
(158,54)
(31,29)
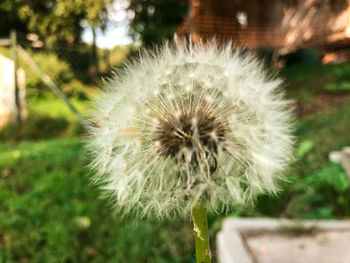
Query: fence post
(47,80)
(13,39)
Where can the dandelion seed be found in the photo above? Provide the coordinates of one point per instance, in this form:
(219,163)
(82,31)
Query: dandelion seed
(206,123)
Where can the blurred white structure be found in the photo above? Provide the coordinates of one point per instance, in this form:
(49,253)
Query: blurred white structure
(265,240)
(342,157)
(8,109)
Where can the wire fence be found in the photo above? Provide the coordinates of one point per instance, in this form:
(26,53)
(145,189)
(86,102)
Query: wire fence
(50,83)
(78,58)
(66,71)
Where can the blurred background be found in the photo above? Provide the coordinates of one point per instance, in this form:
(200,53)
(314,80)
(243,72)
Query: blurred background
(53,57)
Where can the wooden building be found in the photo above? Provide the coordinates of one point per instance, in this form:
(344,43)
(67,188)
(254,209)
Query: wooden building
(270,24)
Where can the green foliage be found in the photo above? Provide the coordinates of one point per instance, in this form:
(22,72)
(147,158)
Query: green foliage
(304,82)
(338,87)
(56,69)
(156,20)
(9,18)
(114,58)
(301,57)
(59,71)
(324,194)
(60,25)
(304,148)
(54,21)
(331,177)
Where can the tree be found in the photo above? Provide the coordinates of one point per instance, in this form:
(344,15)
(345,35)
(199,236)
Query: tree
(60,20)
(59,24)
(9,18)
(156,20)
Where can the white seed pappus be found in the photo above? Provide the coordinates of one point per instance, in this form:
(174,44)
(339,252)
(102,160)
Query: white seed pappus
(189,123)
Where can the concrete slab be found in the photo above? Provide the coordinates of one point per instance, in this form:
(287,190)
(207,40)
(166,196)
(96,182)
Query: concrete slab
(286,241)
(323,247)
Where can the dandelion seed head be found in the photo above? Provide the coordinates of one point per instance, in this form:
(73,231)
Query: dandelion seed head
(197,122)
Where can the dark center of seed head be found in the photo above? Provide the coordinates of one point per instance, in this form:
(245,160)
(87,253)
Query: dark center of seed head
(191,137)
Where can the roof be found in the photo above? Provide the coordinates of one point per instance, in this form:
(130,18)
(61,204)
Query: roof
(270,23)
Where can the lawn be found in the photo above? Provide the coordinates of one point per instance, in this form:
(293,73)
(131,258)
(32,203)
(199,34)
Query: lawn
(50,212)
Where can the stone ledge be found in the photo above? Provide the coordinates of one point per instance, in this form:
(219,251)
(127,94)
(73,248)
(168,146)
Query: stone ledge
(238,240)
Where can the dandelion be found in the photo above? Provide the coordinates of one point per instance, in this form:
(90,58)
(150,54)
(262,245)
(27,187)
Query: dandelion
(188,129)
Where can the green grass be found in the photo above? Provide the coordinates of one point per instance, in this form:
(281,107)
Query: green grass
(304,82)
(48,117)
(50,212)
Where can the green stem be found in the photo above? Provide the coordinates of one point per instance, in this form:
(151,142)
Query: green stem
(201,235)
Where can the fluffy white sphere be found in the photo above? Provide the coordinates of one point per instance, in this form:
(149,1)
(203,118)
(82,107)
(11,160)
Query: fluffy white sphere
(189,123)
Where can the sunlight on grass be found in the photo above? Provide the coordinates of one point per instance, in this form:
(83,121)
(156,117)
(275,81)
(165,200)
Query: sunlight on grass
(53,107)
